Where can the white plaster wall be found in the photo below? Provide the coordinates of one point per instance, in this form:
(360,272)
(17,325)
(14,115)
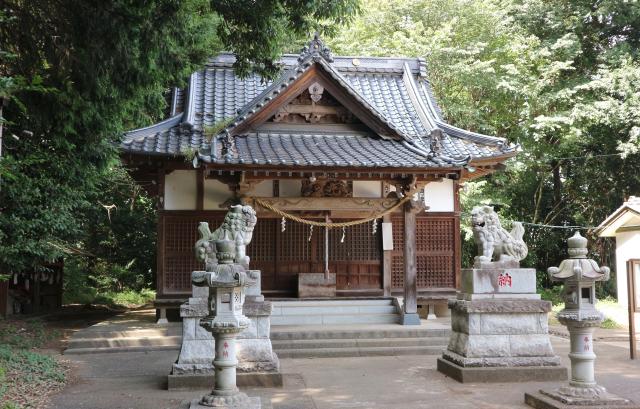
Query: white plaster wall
(180,190)
(367,188)
(290,188)
(627,247)
(215,193)
(262,189)
(439,196)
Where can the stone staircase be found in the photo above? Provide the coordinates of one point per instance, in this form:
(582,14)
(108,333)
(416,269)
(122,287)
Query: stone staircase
(358,340)
(350,328)
(299,329)
(133,331)
(334,312)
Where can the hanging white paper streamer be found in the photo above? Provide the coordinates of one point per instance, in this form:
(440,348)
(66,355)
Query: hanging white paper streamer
(374,226)
(344,233)
(310,232)
(283,223)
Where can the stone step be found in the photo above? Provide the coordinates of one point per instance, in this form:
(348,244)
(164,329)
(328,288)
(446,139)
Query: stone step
(147,332)
(356,351)
(333,302)
(284,345)
(123,342)
(78,351)
(333,309)
(332,319)
(334,312)
(391,331)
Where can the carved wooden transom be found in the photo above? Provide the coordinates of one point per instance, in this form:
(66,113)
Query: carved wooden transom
(326,188)
(314,106)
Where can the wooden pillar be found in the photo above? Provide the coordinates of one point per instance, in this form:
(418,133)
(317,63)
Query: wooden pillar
(160,239)
(410,305)
(386,264)
(457,239)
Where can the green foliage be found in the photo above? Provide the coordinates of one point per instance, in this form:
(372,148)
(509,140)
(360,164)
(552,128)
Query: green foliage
(21,365)
(213,130)
(39,371)
(559,78)
(258,31)
(553,294)
(33,334)
(117,299)
(608,323)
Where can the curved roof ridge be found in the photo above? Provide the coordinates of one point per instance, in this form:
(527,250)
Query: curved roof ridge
(155,128)
(473,136)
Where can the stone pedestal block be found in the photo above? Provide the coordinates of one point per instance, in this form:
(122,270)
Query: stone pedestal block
(316,285)
(256,358)
(500,340)
(498,281)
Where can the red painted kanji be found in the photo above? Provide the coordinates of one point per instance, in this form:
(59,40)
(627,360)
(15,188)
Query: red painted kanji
(504,280)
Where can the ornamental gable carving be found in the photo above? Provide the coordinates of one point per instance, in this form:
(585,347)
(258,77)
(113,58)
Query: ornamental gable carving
(314,106)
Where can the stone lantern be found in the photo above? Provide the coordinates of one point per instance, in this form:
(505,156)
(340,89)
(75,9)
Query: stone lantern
(225,320)
(579,275)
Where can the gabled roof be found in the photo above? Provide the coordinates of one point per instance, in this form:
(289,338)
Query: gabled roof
(392,96)
(629,212)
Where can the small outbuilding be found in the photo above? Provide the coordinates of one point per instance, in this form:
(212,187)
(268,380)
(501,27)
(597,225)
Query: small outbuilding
(624,225)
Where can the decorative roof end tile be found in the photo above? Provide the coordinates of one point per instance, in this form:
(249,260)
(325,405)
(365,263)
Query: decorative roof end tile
(315,50)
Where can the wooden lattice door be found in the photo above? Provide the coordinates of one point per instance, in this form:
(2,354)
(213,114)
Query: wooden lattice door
(356,260)
(280,255)
(435,252)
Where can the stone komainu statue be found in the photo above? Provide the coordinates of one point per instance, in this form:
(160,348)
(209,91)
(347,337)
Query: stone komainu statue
(238,226)
(493,240)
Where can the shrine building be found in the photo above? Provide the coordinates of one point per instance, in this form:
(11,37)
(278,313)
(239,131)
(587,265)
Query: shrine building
(332,139)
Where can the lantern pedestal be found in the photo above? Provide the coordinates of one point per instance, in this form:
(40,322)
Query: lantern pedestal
(258,364)
(499,330)
(225,320)
(225,394)
(579,275)
(582,390)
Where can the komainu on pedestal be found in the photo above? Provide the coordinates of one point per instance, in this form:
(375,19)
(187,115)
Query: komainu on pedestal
(258,365)
(499,327)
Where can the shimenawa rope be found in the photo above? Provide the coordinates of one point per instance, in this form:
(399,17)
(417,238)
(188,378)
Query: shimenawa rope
(332,225)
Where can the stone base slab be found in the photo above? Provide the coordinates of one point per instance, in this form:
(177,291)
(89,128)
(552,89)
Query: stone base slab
(252,403)
(501,361)
(507,305)
(410,319)
(539,401)
(313,285)
(501,374)
(243,380)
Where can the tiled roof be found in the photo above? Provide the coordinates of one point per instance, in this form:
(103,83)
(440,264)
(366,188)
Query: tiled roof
(394,90)
(330,149)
